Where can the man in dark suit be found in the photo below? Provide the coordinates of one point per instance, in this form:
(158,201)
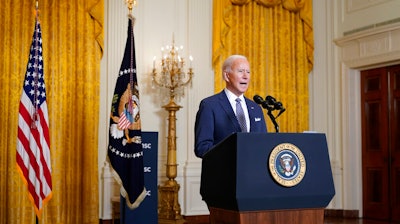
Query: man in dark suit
(221,115)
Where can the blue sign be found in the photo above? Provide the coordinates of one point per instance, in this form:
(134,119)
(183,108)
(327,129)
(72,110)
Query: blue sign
(146,213)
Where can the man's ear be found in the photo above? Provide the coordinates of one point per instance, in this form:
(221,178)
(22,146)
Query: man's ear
(226,76)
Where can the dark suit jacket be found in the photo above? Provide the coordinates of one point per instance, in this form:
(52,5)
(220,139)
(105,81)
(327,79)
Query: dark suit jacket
(216,120)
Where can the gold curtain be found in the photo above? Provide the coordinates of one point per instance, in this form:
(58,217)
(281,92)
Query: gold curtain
(72,36)
(277,38)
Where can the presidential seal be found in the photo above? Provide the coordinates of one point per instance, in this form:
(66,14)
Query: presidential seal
(287,164)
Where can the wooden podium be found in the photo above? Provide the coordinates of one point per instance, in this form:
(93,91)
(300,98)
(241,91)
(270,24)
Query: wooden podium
(239,184)
(306,216)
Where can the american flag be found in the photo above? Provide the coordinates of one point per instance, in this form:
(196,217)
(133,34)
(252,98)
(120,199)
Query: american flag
(33,144)
(123,122)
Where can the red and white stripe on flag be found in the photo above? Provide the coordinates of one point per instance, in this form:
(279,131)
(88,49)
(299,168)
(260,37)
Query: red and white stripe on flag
(123,122)
(33,143)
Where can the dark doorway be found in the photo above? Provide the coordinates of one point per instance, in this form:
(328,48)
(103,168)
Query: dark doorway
(380,115)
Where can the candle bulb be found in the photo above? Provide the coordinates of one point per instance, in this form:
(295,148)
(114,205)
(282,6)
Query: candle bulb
(172,73)
(191,60)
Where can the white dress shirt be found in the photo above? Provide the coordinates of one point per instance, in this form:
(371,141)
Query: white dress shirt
(232,100)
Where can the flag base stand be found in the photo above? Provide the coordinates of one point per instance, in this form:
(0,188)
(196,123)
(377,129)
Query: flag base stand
(169,210)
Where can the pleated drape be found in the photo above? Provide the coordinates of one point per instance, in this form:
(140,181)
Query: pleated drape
(72,33)
(277,38)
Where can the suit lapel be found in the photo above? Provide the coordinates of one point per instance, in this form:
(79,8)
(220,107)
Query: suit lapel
(226,106)
(251,110)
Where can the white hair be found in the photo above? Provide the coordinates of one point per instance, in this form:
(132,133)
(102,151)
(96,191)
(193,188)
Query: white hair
(227,65)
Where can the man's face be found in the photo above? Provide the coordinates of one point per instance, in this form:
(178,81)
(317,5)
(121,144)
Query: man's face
(237,80)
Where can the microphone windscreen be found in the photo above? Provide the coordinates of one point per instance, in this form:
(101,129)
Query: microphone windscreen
(270,99)
(279,106)
(258,99)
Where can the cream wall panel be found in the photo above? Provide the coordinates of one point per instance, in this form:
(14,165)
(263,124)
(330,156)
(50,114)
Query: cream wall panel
(377,45)
(199,43)
(355,5)
(351,134)
(324,90)
(371,48)
(356,14)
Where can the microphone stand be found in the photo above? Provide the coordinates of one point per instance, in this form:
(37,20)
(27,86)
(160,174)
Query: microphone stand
(273,120)
(270,104)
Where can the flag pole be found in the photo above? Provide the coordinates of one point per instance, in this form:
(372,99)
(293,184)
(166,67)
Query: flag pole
(33,138)
(36,18)
(125,151)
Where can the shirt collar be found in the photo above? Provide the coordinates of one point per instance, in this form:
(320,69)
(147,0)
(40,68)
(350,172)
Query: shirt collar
(232,97)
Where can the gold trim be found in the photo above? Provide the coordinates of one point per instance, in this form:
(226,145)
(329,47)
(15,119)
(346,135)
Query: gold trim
(130,4)
(299,174)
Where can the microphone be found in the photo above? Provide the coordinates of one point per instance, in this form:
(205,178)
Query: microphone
(278,106)
(275,104)
(270,100)
(259,100)
(270,104)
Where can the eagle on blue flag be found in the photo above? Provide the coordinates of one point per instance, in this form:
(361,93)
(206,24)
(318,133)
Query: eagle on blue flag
(125,152)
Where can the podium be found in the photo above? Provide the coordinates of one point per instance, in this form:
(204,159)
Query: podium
(251,178)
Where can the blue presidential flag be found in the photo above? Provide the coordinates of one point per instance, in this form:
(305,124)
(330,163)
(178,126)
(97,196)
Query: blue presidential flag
(125,152)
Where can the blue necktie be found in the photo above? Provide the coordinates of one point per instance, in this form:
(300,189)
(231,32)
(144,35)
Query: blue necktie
(240,116)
